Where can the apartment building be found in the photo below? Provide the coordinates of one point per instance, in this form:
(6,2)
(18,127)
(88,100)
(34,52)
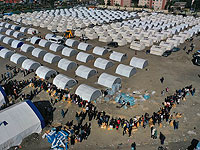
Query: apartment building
(123,3)
(155,4)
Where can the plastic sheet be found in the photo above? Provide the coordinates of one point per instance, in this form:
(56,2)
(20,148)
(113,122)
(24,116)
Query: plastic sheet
(124,97)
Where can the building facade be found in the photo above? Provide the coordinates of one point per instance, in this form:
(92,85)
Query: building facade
(123,3)
(155,4)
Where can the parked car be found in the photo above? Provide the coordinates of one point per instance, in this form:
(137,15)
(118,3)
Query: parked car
(113,44)
(196,60)
(167,53)
(57,40)
(196,53)
(175,49)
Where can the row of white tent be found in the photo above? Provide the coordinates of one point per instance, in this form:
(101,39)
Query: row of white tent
(10,41)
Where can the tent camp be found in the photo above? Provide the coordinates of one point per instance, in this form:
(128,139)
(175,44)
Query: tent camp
(66,64)
(3,97)
(124,70)
(18,58)
(44,43)
(100,51)
(51,58)
(87,92)
(103,63)
(84,46)
(30,64)
(18,122)
(116,56)
(84,57)
(55,47)
(69,52)
(35,40)
(108,80)
(39,53)
(27,48)
(16,44)
(71,43)
(8,40)
(138,62)
(45,72)
(85,72)
(5,53)
(62,82)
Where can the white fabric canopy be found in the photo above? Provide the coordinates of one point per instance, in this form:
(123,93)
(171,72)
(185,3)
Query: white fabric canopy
(5,53)
(17,58)
(66,64)
(108,80)
(30,64)
(61,81)
(138,62)
(125,70)
(45,72)
(85,72)
(103,63)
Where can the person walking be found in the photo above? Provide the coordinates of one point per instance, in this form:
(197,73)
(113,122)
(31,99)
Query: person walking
(62,113)
(162,80)
(133,146)
(162,138)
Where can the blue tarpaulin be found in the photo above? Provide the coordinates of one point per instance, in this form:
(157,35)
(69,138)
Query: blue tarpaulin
(124,97)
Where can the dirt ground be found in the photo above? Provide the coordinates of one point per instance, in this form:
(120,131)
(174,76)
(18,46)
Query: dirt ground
(178,71)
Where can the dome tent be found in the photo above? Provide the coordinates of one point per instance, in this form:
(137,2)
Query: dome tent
(138,62)
(103,63)
(66,64)
(18,58)
(100,51)
(5,53)
(17,34)
(45,72)
(87,92)
(61,81)
(69,52)
(51,58)
(16,44)
(71,43)
(8,40)
(2,37)
(44,43)
(84,57)
(55,47)
(124,70)
(35,40)
(30,64)
(39,53)
(22,120)
(27,48)
(84,46)
(85,72)
(116,56)
(9,32)
(108,80)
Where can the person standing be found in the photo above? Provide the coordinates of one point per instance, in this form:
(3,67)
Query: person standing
(162,138)
(133,146)
(62,113)
(162,80)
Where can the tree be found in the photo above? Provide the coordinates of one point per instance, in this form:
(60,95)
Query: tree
(196,5)
(52,3)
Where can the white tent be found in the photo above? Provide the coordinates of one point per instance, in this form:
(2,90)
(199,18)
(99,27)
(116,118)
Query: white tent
(16,44)
(51,58)
(100,51)
(136,45)
(84,46)
(62,82)
(103,63)
(18,122)
(39,53)
(2,29)
(124,70)
(105,38)
(44,43)
(18,58)
(23,29)
(66,64)
(146,42)
(87,92)
(5,53)
(2,37)
(166,45)
(8,40)
(35,40)
(30,64)
(3,97)
(85,72)
(45,72)
(69,52)
(157,50)
(71,43)
(116,56)
(84,57)
(17,34)
(56,47)
(27,48)
(9,32)
(138,62)
(14,27)
(108,80)
(32,31)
